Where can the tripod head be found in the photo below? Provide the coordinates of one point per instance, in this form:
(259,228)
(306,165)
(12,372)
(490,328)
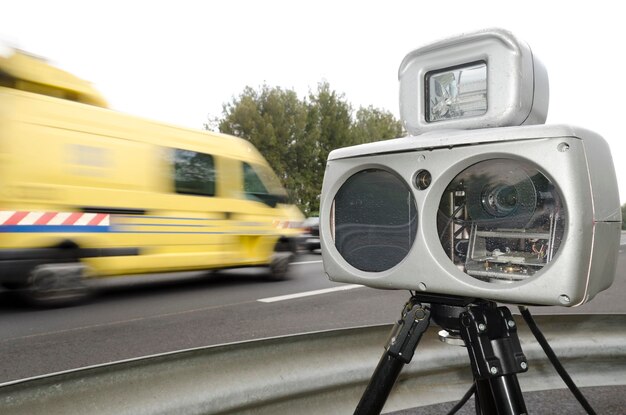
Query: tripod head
(490,334)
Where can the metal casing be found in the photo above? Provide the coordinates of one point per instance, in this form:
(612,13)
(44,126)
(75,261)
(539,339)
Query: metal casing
(577,161)
(517,82)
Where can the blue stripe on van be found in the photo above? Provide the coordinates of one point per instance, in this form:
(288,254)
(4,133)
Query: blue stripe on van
(111,229)
(53,228)
(165,217)
(86,229)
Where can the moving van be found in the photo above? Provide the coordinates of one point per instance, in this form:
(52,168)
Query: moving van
(88,192)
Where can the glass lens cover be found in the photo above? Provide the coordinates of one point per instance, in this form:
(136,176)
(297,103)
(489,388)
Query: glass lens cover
(501,220)
(374,220)
(457,93)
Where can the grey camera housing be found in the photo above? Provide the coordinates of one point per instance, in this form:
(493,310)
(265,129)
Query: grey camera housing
(577,161)
(511,67)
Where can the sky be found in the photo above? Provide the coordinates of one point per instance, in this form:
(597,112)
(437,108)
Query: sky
(180,61)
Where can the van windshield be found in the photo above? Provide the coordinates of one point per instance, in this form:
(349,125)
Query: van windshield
(259,179)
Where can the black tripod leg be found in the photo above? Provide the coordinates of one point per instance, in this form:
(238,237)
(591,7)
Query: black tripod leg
(485,404)
(500,395)
(404,338)
(509,395)
(380,385)
(496,356)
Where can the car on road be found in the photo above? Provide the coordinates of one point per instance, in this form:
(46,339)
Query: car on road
(310,239)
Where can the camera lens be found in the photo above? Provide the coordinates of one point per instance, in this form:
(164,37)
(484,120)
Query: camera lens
(375,220)
(500,200)
(500,192)
(501,220)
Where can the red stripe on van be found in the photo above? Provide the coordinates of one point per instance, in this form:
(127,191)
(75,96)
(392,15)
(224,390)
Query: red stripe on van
(97,219)
(15,218)
(71,219)
(45,218)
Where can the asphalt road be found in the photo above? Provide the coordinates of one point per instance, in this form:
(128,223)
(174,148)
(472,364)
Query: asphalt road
(606,400)
(132,317)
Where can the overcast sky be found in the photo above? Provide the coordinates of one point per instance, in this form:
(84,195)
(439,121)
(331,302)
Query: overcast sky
(179,61)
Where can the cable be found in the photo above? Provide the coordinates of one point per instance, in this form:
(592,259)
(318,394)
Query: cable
(555,360)
(463,400)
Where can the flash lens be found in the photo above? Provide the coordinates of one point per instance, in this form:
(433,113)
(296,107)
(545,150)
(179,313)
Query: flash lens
(375,220)
(457,93)
(501,220)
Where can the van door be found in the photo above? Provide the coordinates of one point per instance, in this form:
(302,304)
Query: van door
(255,212)
(185,227)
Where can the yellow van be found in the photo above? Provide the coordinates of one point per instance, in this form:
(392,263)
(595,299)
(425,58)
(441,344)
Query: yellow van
(89,192)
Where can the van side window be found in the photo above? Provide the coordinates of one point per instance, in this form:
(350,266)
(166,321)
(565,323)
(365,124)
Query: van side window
(194,173)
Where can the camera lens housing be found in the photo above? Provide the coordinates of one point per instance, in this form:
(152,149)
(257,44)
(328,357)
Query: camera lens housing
(375,220)
(508,215)
(501,220)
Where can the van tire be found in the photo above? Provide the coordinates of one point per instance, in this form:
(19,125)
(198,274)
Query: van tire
(56,285)
(279,266)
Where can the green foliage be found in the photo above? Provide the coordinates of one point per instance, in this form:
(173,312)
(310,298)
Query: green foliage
(295,135)
(624,217)
(373,124)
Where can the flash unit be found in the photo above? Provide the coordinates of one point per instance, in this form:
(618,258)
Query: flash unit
(456,93)
(486,204)
(477,80)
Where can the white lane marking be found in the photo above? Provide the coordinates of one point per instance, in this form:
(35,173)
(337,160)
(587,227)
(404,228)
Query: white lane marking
(319,261)
(308,293)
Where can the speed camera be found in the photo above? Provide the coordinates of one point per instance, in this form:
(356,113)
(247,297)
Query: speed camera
(520,213)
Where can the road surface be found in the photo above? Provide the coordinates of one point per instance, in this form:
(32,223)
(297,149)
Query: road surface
(133,317)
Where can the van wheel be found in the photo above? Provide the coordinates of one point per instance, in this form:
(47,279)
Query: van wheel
(56,285)
(279,266)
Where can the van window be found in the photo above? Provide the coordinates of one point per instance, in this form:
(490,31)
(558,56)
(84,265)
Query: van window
(194,173)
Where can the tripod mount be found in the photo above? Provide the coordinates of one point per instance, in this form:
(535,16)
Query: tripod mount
(488,332)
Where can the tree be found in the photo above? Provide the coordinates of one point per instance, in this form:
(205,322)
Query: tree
(272,119)
(373,124)
(276,122)
(296,135)
(330,119)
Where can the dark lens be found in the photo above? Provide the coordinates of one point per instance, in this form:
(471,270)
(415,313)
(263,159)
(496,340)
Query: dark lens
(500,200)
(375,220)
(499,193)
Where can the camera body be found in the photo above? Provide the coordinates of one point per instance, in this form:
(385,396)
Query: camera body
(523,214)
(481,200)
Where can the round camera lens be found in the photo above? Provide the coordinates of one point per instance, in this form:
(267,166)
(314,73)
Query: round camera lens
(500,192)
(375,220)
(501,220)
(500,200)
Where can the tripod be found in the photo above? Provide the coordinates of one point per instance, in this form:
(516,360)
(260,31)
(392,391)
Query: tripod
(490,335)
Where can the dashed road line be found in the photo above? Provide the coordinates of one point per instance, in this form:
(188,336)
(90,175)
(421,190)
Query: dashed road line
(319,261)
(309,293)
